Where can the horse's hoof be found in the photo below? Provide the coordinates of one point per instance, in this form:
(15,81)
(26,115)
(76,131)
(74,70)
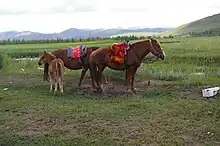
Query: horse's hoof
(134,90)
(55,93)
(79,87)
(130,91)
(93,89)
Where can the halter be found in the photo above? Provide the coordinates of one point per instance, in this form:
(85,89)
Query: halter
(155,51)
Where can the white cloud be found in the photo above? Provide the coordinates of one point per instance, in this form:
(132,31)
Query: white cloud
(57,15)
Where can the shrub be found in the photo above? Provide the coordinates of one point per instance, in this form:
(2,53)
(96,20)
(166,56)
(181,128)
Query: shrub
(3,60)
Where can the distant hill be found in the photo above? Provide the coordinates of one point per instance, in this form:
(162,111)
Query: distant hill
(137,34)
(207,23)
(75,33)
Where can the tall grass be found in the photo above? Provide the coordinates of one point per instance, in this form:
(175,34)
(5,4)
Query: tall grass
(4,61)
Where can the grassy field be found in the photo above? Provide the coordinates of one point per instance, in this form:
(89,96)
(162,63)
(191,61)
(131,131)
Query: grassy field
(32,50)
(170,111)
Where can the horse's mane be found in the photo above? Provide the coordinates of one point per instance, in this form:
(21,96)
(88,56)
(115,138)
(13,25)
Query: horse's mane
(156,40)
(51,54)
(93,48)
(146,40)
(140,42)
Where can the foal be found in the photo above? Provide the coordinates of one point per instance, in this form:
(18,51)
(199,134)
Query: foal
(55,70)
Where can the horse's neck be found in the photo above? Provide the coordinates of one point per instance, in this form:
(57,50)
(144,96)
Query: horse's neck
(59,53)
(50,59)
(141,50)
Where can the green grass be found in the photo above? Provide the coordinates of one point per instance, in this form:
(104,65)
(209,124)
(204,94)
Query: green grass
(173,114)
(30,118)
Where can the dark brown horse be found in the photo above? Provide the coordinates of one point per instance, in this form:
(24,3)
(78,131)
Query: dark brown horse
(99,60)
(73,64)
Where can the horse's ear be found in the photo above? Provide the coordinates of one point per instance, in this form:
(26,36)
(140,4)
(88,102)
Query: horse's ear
(129,44)
(152,39)
(42,53)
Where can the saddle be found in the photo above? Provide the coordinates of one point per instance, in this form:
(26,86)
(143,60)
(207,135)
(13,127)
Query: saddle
(77,52)
(118,52)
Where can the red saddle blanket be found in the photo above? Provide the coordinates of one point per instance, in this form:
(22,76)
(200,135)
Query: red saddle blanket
(117,52)
(76,52)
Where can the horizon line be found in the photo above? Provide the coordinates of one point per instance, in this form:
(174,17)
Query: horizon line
(132,28)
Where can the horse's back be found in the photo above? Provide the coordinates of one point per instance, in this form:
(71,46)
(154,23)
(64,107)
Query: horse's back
(99,54)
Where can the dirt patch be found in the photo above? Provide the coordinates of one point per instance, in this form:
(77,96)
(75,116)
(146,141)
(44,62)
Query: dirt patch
(38,126)
(111,89)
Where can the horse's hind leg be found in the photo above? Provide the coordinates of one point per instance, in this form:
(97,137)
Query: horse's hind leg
(100,72)
(104,78)
(82,77)
(51,83)
(61,85)
(56,85)
(93,80)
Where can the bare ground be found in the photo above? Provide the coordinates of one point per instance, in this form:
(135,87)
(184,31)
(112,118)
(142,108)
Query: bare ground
(111,89)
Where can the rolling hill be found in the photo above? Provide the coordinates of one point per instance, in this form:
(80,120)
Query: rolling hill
(75,33)
(207,23)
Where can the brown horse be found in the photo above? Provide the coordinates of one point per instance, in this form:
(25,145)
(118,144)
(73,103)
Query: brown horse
(99,60)
(73,64)
(55,70)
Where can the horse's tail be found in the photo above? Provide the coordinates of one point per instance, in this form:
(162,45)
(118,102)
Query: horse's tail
(59,68)
(93,70)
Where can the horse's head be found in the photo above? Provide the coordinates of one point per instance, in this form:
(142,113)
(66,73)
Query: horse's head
(157,49)
(42,58)
(45,58)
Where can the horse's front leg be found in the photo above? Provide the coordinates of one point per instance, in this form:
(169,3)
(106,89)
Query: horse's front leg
(128,74)
(133,80)
(100,72)
(128,79)
(82,77)
(92,75)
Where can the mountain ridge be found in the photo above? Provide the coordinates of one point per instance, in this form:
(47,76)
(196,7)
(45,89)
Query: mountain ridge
(73,33)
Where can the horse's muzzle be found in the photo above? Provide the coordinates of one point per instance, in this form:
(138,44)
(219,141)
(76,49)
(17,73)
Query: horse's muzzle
(162,57)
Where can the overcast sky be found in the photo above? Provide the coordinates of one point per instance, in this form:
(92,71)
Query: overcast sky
(57,15)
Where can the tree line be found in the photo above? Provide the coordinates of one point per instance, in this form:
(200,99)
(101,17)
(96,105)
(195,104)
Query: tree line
(70,40)
(47,41)
(209,32)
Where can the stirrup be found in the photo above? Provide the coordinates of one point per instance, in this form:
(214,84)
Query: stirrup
(81,62)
